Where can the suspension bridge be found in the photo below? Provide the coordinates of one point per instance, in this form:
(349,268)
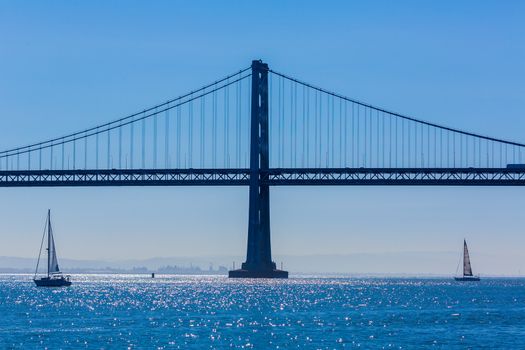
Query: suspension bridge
(261,128)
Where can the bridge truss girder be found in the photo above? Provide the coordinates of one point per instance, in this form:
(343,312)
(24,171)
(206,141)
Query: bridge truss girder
(273,177)
(397,177)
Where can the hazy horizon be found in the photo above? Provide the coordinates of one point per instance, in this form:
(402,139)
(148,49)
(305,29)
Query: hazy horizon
(389,263)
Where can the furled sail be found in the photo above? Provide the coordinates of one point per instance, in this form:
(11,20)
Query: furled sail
(467,269)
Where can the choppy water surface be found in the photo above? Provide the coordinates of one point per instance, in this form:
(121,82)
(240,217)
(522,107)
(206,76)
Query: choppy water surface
(122,311)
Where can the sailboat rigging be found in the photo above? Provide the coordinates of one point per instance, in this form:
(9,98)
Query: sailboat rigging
(54,277)
(467,267)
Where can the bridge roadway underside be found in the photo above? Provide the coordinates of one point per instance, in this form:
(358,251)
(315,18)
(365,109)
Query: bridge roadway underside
(274,177)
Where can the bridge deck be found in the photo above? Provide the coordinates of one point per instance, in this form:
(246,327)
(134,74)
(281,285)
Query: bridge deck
(274,177)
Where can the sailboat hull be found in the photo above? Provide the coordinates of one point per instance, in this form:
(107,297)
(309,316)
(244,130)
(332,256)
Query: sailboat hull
(52,282)
(467,279)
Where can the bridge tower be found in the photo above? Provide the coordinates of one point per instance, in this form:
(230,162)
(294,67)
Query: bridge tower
(259,262)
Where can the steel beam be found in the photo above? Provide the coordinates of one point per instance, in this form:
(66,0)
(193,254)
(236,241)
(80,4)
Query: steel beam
(142,177)
(396,177)
(271,177)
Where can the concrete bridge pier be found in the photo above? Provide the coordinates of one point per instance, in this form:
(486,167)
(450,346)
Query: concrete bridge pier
(259,262)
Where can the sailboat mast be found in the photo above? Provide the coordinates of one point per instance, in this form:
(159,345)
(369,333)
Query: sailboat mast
(48,241)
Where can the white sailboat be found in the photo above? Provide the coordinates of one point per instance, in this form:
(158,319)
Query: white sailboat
(467,268)
(54,277)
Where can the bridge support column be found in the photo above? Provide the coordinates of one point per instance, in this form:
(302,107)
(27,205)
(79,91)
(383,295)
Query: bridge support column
(259,262)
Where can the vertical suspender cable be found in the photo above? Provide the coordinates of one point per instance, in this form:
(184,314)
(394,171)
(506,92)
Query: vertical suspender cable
(328,124)
(308,126)
(278,124)
(454,148)
(396,142)
(315,130)
(120,146)
(365,155)
(487,151)
(358,132)
(402,143)
(435,148)
(383,136)
(190,139)
(167,139)
(293,119)
(237,132)
(295,124)
(340,133)
(247,133)
(96,148)
(321,129)
(179,134)
(201,131)
(85,150)
(416,149)
(353,137)
(63,153)
(370,136)
(215,122)
(461,150)
(500,155)
(346,134)
(283,122)
(441,155)
(428,146)
(226,160)
(304,128)
(239,117)
(448,149)
(109,149)
(74,155)
(377,138)
(131,143)
(271,123)
(155,139)
(144,142)
(390,140)
(292,102)
(332,120)
(506,156)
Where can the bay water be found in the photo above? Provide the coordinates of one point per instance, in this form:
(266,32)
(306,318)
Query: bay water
(214,312)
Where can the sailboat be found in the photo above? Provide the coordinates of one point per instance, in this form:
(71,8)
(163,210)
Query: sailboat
(54,277)
(467,268)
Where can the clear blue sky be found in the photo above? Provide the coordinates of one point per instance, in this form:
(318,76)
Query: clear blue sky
(69,65)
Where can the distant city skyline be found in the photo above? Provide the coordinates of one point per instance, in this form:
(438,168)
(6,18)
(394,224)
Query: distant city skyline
(67,66)
(430,263)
